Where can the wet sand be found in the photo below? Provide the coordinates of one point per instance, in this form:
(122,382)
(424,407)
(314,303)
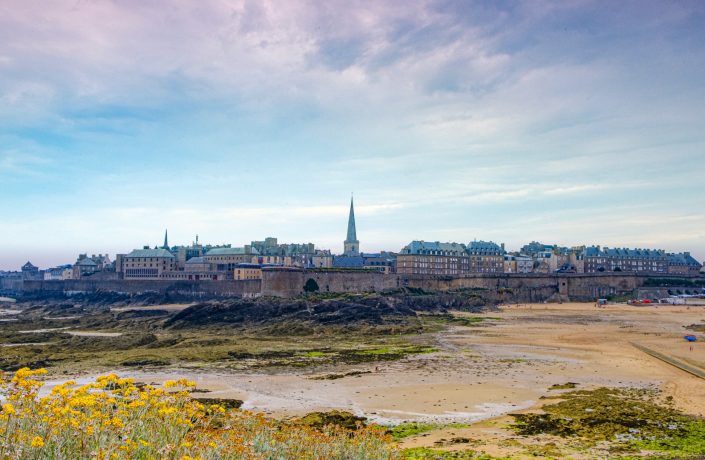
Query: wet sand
(481,372)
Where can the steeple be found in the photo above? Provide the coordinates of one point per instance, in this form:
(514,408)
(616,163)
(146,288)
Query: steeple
(166,240)
(351,244)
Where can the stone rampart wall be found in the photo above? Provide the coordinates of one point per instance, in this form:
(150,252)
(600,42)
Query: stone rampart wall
(207,288)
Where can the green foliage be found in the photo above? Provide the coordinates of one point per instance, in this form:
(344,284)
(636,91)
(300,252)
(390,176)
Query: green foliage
(311,285)
(404,430)
(424,453)
(674,282)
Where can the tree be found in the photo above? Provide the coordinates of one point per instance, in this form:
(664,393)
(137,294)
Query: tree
(311,285)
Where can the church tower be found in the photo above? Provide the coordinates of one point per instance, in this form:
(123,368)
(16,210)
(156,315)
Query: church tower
(351,245)
(166,241)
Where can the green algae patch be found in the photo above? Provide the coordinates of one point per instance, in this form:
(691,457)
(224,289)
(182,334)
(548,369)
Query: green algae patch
(563,386)
(315,354)
(405,430)
(686,441)
(319,420)
(631,420)
(425,453)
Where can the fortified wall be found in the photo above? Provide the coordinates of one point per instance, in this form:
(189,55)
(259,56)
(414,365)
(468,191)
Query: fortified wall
(288,282)
(196,289)
(515,287)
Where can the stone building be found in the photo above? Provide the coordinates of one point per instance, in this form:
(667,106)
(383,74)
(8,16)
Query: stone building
(30,271)
(485,257)
(598,259)
(451,259)
(433,258)
(303,255)
(517,263)
(683,264)
(249,271)
(147,263)
(225,259)
(86,266)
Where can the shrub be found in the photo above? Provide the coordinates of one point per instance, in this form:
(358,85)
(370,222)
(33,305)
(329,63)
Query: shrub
(115,419)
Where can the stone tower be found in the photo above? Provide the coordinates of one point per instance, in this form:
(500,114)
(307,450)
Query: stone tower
(351,245)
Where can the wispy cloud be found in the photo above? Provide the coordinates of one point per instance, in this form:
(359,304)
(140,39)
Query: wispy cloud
(238,118)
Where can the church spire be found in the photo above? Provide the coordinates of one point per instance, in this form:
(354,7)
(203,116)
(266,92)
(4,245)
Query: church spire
(351,244)
(166,240)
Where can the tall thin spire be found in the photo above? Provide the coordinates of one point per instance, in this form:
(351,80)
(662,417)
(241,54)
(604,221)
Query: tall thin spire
(166,240)
(352,233)
(351,245)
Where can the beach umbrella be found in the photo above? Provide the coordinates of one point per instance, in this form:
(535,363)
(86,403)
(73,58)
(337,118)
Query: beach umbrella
(690,338)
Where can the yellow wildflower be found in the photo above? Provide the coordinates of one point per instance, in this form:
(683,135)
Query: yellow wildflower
(37,442)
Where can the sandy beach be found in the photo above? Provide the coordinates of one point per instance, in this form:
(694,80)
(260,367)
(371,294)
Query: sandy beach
(503,365)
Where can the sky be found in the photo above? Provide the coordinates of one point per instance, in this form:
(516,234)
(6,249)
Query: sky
(566,122)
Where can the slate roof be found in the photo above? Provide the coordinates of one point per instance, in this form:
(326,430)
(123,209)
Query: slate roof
(349,262)
(87,262)
(484,248)
(683,259)
(624,253)
(197,260)
(434,248)
(150,253)
(230,252)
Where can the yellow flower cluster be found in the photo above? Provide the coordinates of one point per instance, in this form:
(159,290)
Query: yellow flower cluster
(113,418)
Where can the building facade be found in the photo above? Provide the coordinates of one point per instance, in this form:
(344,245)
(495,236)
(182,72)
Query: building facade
(147,263)
(683,264)
(433,258)
(485,257)
(598,260)
(226,259)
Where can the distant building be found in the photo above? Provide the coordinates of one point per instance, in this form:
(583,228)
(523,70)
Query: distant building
(60,273)
(248,272)
(30,272)
(598,260)
(147,263)
(514,263)
(351,246)
(86,266)
(451,259)
(433,258)
(683,264)
(303,255)
(385,262)
(226,259)
(486,257)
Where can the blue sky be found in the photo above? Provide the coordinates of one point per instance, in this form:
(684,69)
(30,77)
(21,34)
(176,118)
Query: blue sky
(570,122)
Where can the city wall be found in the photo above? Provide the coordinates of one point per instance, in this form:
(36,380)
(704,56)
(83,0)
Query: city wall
(196,289)
(517,287)
(290,282)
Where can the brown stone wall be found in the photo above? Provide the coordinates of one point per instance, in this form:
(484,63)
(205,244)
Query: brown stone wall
(241,288)
(289,283)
